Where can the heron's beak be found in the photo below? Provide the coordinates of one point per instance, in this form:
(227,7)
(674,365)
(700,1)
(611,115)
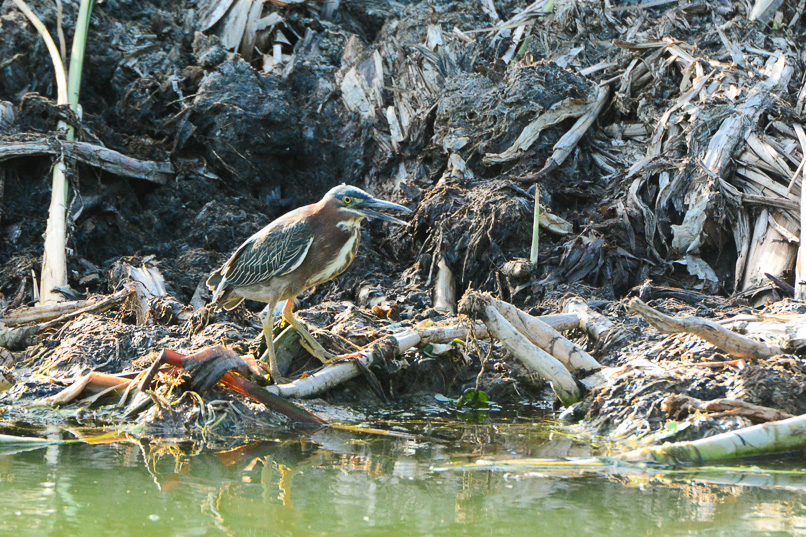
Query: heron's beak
(381,204)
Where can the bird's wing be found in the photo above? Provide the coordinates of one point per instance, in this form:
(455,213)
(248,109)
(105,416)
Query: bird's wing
(272,252)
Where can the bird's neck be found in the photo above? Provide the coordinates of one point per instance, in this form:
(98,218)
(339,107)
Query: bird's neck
(347,222)
(351,225)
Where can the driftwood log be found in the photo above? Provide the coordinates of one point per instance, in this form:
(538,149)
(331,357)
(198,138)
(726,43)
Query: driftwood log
(546,337)
(716,334)
(529,339)
(766,438)
(42,313)
(526,352)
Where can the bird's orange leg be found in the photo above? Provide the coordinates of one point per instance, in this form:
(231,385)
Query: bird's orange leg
(308,342)
(268,326)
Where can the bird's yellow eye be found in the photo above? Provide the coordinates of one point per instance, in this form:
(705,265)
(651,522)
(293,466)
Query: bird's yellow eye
(347,199)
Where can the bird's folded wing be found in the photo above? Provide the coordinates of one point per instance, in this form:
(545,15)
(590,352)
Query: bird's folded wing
(268,254)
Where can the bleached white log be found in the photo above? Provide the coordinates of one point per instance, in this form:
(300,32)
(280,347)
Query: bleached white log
(546,337)
(591,322)
(774,437)
(531,356)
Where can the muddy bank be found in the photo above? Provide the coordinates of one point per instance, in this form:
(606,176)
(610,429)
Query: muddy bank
(459,110)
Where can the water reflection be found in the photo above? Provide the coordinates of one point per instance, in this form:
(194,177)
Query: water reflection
(338,482)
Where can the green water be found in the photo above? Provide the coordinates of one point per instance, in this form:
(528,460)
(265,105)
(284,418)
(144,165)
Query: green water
(345,483)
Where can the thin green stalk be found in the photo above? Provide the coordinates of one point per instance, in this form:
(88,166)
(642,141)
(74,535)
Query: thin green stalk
(535,227)
(77,54)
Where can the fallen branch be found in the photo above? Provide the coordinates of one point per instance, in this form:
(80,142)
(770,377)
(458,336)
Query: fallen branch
(768,438)
(680,405)
(386,348)
(713,333)
(332,375)
(42,313)
(563,322)
(94,155)
(21,336)
(102,305)
(446,334)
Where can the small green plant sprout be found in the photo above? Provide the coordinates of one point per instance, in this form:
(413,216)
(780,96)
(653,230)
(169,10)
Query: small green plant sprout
(474,400)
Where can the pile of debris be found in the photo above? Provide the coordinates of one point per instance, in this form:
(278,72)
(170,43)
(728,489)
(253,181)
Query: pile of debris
(655,150)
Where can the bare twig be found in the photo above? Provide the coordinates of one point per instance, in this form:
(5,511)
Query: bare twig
(94,155)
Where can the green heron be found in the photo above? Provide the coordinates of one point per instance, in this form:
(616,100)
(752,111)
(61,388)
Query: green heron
(301,249)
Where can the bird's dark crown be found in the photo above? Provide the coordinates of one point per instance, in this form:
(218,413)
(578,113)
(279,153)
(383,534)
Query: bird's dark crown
(347,195)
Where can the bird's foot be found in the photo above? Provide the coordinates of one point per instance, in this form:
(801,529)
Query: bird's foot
(345,357)
(274,373)
(315,349)
(327,357)
(279,379)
